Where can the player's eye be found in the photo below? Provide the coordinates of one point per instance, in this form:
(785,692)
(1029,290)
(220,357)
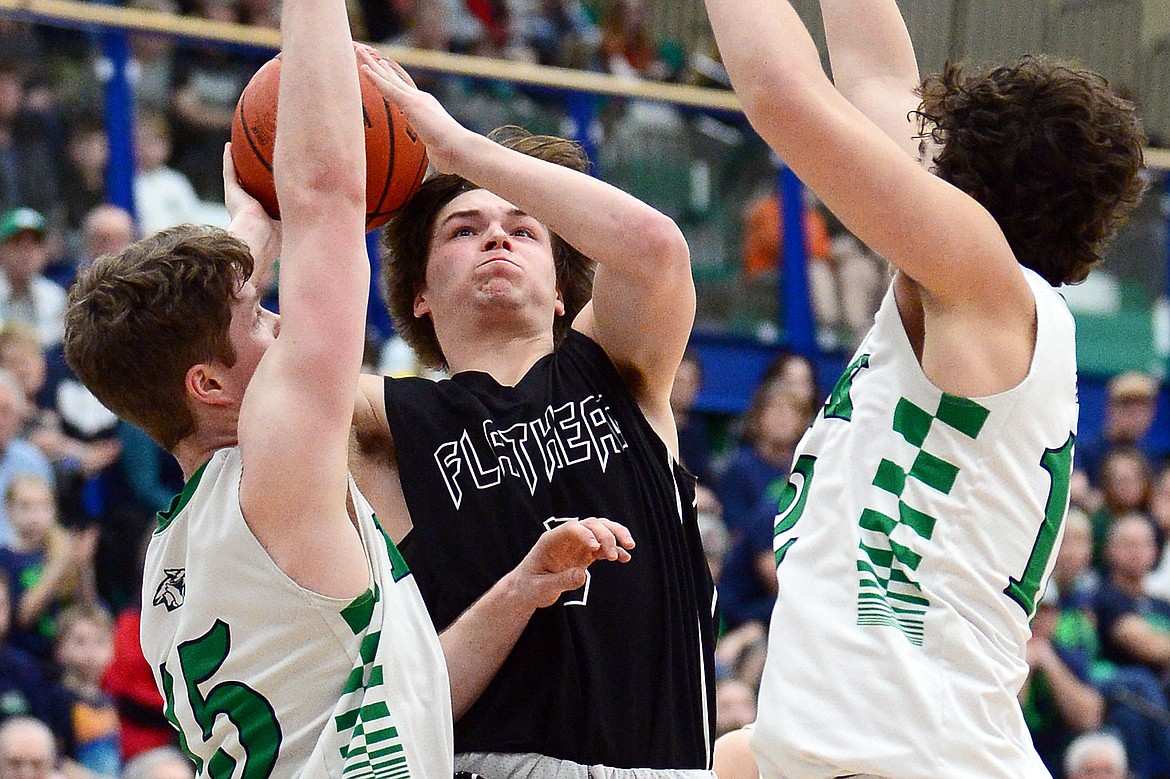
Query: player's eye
(524,232)
(462,232)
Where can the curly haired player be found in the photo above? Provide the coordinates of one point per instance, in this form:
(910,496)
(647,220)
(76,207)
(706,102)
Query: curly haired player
(926,501)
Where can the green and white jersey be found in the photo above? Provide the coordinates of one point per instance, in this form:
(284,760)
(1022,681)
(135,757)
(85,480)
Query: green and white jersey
(912,542)
(264,678)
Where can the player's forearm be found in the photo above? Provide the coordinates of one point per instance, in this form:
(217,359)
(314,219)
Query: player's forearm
(606,224)
(477,643)
(768,54)
(320,148)
(868,40)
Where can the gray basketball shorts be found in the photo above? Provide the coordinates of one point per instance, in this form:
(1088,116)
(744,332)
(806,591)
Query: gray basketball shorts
(496,765)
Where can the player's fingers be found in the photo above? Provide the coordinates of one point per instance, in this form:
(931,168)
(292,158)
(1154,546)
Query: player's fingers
(624,537)
(570,579)
(609,543)
(229,167)
(383,74)
(621,533)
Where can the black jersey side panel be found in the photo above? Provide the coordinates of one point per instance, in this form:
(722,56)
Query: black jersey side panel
(619,672)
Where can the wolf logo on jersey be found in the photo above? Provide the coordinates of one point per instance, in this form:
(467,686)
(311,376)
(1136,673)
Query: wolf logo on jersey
(171,589)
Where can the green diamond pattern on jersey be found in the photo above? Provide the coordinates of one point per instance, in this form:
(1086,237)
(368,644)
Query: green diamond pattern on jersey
(374,748)
(890,595)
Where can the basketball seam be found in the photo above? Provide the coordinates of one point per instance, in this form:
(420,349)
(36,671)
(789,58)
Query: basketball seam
(390,164)
(418,177)
(248,136)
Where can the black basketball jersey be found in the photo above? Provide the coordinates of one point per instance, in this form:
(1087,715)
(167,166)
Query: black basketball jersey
(621,671)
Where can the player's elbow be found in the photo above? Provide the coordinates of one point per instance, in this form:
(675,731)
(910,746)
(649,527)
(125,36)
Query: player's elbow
(339,182)
(665,247)
(779,97)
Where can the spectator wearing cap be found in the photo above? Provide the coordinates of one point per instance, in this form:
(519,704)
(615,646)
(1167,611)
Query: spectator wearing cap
(1131,399)
(25,294)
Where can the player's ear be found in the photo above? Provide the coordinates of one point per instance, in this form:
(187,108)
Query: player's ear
(203,385)
(421,306)
(560,310)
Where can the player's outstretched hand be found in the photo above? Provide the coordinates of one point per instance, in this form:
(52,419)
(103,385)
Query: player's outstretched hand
(438,130)
(558,561)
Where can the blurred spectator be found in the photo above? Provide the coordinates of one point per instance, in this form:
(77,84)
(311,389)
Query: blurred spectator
(1130,404)
(715,542)
(750,488)
(27,158)
(694,441)
(1096,756)
(560,33)
(25,294)
(129,679)
(105,230)
(1135,627)
(27,750)
(208,82)
(847,289)
(1083,493)
(84,649)
(747,586)
(87,154)
(1073,574)
(260,13)
(159,763)
(131,684)
(163,196)
(23,356)
(152,61)
(795,373)
(763,237)
(49,567)
(627,47)
(1135,703)
(735,705)
(17,456)
(1059,702)
(23,687)
(740,654)
(1158,582)
(1125,482)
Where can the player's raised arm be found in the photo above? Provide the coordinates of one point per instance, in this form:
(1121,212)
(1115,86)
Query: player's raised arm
(294,422)
(643,282)
(873,63)
(936,234)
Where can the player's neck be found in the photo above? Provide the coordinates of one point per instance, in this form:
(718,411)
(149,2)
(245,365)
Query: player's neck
(506,357)
(196,449)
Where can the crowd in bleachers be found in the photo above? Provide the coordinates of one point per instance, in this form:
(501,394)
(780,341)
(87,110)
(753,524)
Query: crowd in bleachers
(79,490)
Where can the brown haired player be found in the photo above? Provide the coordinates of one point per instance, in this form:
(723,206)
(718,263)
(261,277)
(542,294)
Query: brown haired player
(284,629)
(926,502)
(557,408)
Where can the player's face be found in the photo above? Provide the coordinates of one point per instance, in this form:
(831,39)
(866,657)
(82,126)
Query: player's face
(485,249)
(253,329)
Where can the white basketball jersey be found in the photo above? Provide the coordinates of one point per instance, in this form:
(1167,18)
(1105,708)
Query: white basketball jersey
(912,542)
(264,678)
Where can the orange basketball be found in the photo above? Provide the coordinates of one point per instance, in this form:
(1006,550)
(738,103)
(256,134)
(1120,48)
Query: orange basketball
(396,159)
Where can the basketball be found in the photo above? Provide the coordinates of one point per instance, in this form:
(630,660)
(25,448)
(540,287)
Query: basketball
(396,159)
